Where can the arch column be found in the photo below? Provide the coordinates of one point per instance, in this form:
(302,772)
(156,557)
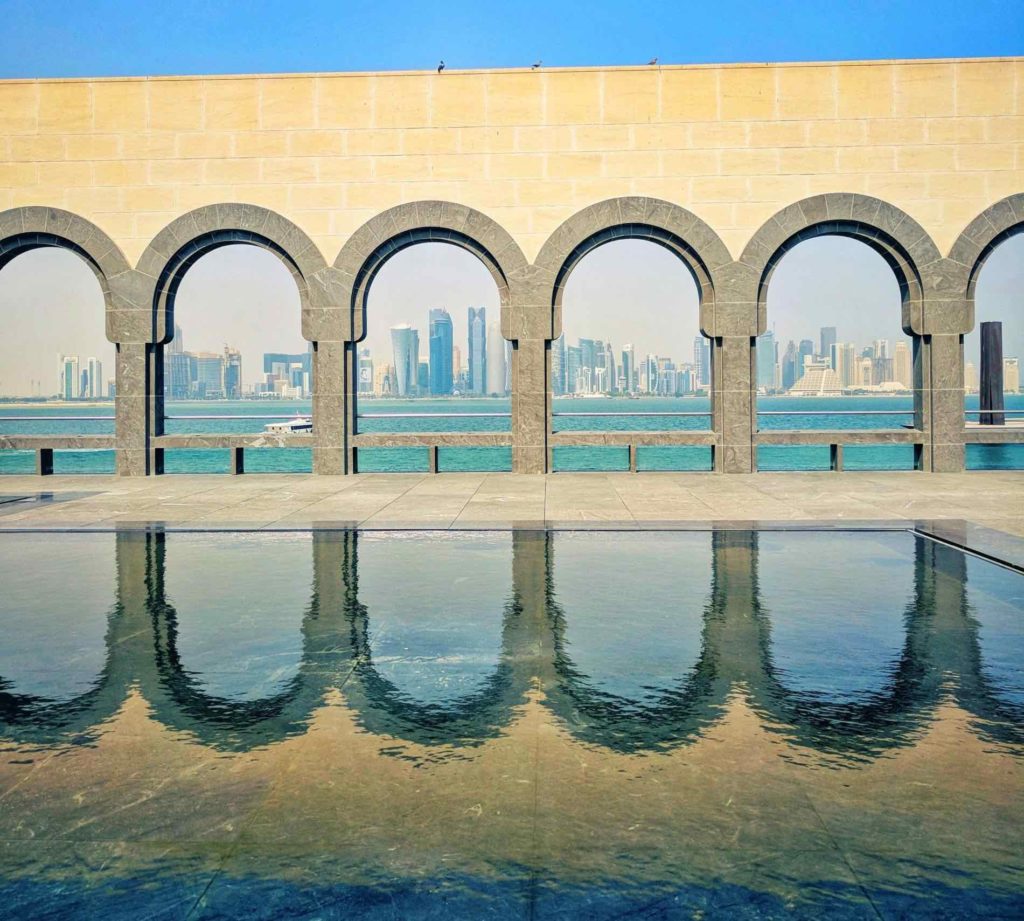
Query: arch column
(138,409)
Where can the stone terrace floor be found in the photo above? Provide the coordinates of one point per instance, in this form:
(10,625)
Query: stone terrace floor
(478,500)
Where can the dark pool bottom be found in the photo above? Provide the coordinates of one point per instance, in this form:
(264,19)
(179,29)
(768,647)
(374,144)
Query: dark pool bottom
(522,724)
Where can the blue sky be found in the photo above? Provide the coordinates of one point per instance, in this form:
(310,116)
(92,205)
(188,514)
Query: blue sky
(118,37)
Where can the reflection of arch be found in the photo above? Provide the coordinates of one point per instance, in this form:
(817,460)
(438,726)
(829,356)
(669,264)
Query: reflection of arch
(24,229)
(675,228)
(941,657)
(673,718)
(894,235)
(366,251)
(190,237)
(470,720)
(993,226)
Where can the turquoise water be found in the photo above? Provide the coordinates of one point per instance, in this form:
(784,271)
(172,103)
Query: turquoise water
(297,460)
(536,725)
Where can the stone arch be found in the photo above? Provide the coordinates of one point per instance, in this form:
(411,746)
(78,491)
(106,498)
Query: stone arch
(678,230)
(893,234)
(24,229)
(391,231)
(979,239)
(186,239)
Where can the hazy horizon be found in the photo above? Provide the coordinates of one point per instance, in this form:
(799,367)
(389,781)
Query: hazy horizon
(628,291)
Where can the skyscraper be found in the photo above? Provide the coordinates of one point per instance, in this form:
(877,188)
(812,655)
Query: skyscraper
(806,355)
(790,366)
(209,379)
(496,367)
(608,363)
(365,371)
(628,368)
(69,377)
(766,359)
(828,339)
(901,365)
(233,373)
(95,367)
(477,322)
(588,362)
(558,385)
(405,342)
(441,341)
(702,360)
(573,360)
(650,372)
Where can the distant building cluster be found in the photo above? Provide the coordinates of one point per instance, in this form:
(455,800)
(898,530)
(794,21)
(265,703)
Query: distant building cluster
(832,368)
(591,368)
(77,381)
(440,372)
(201,375)
(1011,376)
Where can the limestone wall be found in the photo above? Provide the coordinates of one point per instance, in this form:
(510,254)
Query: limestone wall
(941,140)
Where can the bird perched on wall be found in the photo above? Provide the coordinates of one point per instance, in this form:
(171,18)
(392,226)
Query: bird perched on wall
(536,65)
(440,67)
(652,62)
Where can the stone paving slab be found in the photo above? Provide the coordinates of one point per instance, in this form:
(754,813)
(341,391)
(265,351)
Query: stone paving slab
(994,500)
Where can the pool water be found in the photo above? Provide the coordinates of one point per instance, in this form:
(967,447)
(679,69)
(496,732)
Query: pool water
(527,724)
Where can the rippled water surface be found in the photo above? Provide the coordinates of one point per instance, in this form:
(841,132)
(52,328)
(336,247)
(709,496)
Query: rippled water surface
(780,724)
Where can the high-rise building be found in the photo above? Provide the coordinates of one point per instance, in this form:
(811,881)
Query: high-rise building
(588,362)
(902,370)
(209,375)
(628,369)
(365,384)
(650,373)
(232,386)
(442,380)
(69,377)
(702,360)
(573,368)
(767,358)
(405,343)
(1011,375)
(477,349)
(558,386)
(608,363)
(970,378)
(806,352)
(790,366)
(828,339)
(497,366)
(881,347)
(383,380)
(95,386)
(865,375)
(423,375)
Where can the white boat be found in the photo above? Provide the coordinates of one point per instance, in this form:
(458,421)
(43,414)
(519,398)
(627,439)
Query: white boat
(298,424)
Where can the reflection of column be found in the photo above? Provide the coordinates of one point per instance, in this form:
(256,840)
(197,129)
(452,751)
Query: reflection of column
(332,377)
(138,409)
(734,630)
(733,403)
(527,641)
(945,382)
(529,406)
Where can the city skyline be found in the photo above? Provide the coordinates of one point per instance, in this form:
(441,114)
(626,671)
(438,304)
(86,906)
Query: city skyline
(52,304)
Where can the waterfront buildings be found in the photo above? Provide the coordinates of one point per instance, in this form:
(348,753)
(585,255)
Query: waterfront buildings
(405,343)
(441,342)
(477,351)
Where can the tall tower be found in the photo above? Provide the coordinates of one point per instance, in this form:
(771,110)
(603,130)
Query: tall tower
(767,357)
(477,350)
(405,341)
(558,385)
(495,361)
(828,339)
(628,368)
(441,341)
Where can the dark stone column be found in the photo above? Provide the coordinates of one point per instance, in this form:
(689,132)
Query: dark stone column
(990,388)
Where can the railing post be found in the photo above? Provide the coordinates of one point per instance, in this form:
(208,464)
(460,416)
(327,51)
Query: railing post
(835,457)
(632,458)
(431,458)
(44,461)
(237,461)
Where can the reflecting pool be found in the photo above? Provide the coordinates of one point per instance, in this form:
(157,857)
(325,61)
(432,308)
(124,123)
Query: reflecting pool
(400,724)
